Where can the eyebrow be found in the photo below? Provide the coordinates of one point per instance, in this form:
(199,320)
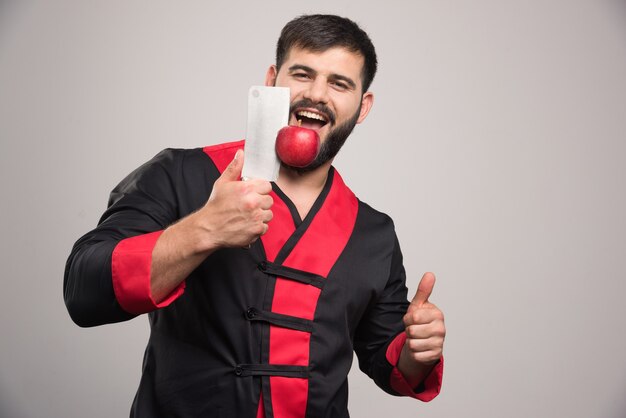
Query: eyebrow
(333,76)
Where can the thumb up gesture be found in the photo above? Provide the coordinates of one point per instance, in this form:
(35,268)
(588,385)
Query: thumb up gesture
(424,326)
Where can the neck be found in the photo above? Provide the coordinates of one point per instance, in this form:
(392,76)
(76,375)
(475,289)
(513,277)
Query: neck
(310,180)
(303,188)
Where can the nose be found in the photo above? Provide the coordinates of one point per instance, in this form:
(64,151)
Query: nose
(317,91)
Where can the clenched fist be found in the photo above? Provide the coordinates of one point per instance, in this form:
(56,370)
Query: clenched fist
(237,212)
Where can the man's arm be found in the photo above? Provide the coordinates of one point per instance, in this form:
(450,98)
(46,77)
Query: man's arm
(235,215)
(387,342)
(140,243)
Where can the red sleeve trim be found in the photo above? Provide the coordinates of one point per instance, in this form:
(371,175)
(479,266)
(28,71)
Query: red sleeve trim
(130,268)
(431,385)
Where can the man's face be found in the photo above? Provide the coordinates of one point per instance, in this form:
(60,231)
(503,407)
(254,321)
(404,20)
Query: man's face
(326,95)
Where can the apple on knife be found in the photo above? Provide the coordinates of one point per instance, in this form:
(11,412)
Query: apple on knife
(297,146)
(268,138)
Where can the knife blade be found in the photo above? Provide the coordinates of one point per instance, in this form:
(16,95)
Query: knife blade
(268,112)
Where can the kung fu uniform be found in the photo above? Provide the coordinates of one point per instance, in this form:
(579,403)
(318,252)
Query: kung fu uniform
(266,331)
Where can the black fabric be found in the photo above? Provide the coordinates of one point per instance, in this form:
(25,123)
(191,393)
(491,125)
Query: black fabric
(245,370)
(286,321)
(197,341)
(292,274)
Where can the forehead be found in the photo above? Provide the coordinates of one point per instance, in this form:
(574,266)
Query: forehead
(336,60)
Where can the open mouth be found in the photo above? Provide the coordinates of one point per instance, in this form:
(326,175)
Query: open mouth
(310,120)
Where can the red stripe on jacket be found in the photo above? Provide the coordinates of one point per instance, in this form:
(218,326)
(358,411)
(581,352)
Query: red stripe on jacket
(316,252)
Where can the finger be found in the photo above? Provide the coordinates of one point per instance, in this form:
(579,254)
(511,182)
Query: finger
(428,357)
(267,216)
(424,289)
(266,202)
(425,314)
(419,331)
(233,170)
(260,186)
(430,330)
(423,345)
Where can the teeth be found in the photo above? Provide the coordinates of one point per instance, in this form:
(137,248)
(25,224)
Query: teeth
(311,115)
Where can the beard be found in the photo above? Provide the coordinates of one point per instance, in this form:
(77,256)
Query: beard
(334,141)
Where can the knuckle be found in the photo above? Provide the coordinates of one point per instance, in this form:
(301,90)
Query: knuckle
(410,331)
(247,187)
(254,230)
(414,332)
(442,331)
(439,345)
(261,186)
(248,205)
(266,187)
(414,345)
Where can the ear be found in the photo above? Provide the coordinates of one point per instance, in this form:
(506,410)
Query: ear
(270,76)
(367,101)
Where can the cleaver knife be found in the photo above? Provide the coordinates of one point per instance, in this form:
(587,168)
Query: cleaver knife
(268,112)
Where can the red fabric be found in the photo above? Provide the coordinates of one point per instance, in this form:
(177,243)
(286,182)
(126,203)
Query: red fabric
(130,268)
(260,411)
(432,383)
(280,228)
(332,225)
(289,396)
(223,154)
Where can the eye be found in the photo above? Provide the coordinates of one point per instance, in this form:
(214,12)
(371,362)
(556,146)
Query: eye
(339,85)
(301,76)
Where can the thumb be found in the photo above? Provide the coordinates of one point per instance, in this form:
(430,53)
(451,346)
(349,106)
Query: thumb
(233,170)
(424,289)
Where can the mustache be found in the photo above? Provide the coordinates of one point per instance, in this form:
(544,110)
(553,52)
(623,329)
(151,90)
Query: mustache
(320,107)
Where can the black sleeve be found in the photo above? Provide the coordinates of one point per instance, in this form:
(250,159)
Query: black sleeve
(382,323)
(145,201)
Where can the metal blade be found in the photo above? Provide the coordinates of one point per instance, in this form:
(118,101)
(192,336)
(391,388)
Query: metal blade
(268,112)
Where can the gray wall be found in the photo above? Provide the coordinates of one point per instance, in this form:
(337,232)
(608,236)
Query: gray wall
(496,142)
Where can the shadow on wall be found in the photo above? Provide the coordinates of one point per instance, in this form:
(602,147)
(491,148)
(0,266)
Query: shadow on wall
(7,409)
(8,13)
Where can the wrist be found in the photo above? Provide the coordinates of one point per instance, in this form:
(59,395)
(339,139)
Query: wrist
(414,371)
(192,236)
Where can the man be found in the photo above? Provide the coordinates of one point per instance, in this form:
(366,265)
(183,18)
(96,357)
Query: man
(258,292)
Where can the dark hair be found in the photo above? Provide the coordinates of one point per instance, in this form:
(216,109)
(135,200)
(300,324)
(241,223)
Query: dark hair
(318,33)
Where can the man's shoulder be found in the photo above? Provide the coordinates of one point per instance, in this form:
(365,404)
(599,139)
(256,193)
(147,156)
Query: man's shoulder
(366,213)
(224,147)
(219,154)
(373,216)
(213,149)
(223,154)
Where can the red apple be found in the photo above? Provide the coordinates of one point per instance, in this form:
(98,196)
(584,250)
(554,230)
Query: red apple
(297,146)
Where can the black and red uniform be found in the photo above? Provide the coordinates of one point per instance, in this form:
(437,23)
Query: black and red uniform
(266,331)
